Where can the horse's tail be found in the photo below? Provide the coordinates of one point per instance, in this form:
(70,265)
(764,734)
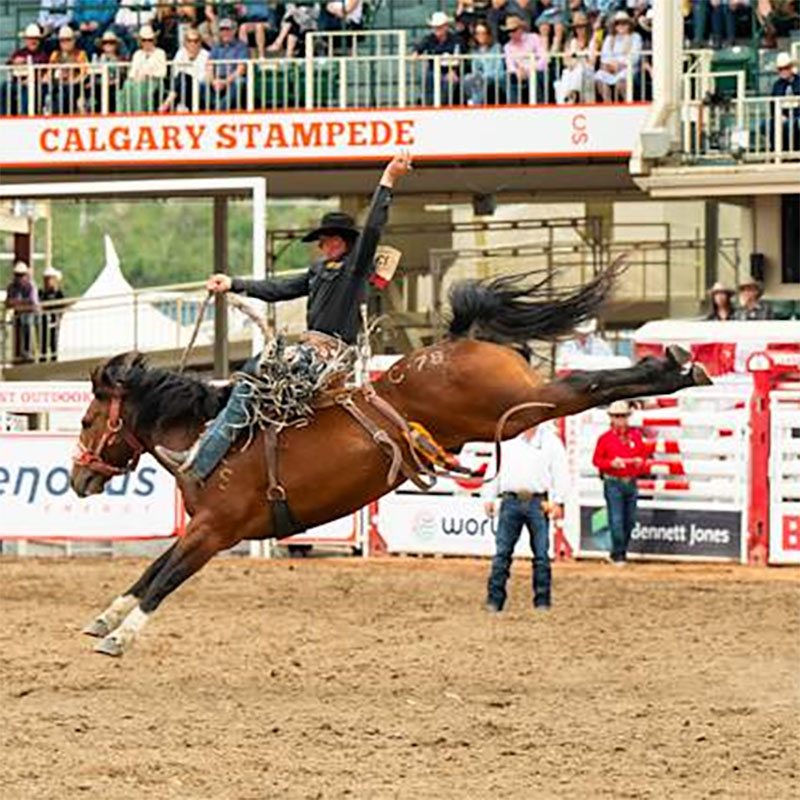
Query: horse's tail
(515,308)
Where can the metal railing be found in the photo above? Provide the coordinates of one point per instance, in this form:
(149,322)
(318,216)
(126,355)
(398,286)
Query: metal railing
(344,81)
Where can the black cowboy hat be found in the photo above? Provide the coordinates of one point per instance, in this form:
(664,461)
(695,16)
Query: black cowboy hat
(334,223)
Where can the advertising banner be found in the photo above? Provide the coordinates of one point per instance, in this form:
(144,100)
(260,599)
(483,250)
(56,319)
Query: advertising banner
(700,533)
(784,539)
(459,526)
(36,500)
(33,397)
(322,136)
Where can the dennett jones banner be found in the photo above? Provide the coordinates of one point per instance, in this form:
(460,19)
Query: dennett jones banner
(315,136)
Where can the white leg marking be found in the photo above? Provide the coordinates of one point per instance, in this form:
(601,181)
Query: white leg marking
(122,638)
(112,616)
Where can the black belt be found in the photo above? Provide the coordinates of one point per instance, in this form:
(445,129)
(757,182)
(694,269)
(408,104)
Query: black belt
(524,496)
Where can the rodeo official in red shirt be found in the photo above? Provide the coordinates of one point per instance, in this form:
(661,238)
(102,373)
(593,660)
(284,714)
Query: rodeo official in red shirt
(621,457)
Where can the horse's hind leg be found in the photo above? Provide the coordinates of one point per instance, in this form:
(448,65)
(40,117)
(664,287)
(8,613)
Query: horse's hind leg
(121,606)
(185,558)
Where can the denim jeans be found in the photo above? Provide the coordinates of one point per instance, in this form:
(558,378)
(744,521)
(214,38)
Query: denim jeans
(515,513)
(225,429)
(621,496)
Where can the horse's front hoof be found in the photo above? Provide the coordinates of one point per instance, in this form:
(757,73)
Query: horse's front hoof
(700,376)
(98,628)
(110,646)
(679,355)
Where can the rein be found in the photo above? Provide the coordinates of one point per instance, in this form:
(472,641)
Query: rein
(93,459)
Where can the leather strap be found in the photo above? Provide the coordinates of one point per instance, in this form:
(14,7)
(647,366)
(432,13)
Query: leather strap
(283,520)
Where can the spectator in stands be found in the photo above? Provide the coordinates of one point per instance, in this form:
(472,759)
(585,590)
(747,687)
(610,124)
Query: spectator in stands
(750,305)
(21,90)
(215,12)
(22,298)
(337,15)
(522,51)
(50,318)
(468,14)
(53,15)
(440,41)
(485,79)
(779,19)
(551,24)
(721,297)
(722,14)
(501,10)
(65,82)
(260,20)
(189,74)
(114,66)
(92,17)
(130,17)
(533,484)
(787,84)
(621,52)
(167,28)
(620,456)
(225,77)
(144,86)
(576,83)
(586,343)
(297,21)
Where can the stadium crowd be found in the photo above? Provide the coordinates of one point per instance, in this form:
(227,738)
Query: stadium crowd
(159,56)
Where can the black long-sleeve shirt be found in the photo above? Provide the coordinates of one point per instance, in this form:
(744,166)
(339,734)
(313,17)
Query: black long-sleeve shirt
(335,289)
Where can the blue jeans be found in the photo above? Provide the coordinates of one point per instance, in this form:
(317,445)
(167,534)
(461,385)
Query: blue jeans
(515,513)
(621,496)
(225,429)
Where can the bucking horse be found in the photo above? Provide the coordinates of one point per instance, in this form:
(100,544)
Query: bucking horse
(471,386)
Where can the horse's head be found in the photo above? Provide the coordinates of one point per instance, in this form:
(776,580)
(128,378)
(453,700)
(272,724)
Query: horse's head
(108,445)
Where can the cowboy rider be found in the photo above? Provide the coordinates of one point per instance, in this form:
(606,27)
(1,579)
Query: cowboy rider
(335,285)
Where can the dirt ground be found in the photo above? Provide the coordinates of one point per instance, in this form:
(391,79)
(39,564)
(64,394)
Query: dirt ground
(334,678)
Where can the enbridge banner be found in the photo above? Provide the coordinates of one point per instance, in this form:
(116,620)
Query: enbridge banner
(700,533)
(496,133)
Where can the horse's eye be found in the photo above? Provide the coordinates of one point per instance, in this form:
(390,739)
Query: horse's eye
(86,424)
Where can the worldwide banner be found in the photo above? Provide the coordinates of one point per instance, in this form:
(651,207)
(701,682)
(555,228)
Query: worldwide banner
(699,533)
(497,133)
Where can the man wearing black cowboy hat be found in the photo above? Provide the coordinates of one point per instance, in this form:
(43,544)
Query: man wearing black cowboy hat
(335,284)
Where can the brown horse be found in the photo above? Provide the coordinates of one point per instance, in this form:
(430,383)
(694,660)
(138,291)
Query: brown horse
(458,389)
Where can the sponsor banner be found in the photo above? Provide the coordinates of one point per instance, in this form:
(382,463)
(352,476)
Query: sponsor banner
(458,526)
(685,532)
(36,500)
(28,397)
(784,537)
(317,136)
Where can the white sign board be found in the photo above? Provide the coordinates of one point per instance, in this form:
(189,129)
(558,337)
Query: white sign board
(29,397)
(36,500)
(508,132)
(419,523)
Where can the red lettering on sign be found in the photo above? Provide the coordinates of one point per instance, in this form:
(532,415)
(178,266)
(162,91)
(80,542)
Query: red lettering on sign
(579,132)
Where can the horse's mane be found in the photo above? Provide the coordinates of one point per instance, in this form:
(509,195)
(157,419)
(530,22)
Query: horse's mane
(519,307)
(159,396)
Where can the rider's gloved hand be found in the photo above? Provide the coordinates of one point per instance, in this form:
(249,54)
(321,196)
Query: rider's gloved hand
(219,283)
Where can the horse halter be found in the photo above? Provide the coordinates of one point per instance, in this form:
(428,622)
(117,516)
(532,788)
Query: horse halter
(93,459)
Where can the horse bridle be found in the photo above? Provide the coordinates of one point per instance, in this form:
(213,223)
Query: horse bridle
(93,459)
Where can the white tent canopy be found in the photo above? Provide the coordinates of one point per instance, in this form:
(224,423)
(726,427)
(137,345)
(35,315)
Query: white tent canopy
(110,318)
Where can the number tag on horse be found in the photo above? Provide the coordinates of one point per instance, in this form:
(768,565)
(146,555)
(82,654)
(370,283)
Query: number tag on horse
(385,265)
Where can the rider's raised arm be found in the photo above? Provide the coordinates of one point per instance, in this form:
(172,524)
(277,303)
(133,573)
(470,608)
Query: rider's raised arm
(272,289)
(367,244)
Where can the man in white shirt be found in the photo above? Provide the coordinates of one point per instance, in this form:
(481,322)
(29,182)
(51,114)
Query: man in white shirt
(533,484)
(586,342)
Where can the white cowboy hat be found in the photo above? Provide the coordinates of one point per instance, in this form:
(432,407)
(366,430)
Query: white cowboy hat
(21,268)
(31,32)
(51,272)
(619,408)
(587,327)
(438,18)
(65,32)
(146,33)
(784,60)
(622,16)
